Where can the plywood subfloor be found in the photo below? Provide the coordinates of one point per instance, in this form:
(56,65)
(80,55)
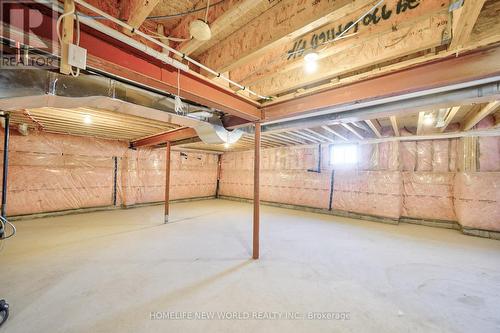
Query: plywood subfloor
(106,271)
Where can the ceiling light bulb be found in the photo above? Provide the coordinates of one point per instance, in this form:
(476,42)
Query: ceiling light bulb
(87,119)
(311,67)
(428,119)
(227,145)
(200,30)
(311,57)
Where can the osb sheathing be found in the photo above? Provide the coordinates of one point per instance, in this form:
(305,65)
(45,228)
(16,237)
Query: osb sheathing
(393,179)
(52,172)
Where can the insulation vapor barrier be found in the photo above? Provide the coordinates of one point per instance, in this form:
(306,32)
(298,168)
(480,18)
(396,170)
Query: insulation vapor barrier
(53,172)
(284,177)
(421,179)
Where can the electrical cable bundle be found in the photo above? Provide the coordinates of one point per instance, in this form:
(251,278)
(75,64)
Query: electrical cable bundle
(3,224)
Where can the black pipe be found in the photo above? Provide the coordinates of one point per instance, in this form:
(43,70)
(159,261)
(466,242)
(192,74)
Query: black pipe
(217,188)
(318,170)
(330,205)
(5,165)
(115,176)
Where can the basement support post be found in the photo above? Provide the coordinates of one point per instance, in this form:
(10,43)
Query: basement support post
(256,193)
(115,179)
(167,180)
(219,165)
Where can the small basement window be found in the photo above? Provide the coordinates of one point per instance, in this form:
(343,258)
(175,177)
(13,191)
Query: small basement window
(343,154)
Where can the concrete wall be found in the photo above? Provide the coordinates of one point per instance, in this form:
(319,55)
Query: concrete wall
(51,172)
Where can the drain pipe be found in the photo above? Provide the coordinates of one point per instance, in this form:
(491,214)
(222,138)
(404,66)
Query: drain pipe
(144,48)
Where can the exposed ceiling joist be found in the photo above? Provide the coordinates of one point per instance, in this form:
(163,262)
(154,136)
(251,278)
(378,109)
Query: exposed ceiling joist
(231,20)
(388,17)
(319,135)
(422,35)
(284,21)
(476,117)
(310,136)
(328,129)
(463,20)
(304,137)
(420,122)
(285,141)
(287,138)
(271,140)
(394,124)
(115,60)
(137,11)
(441,73)
(449,117)
(193,87)
(352,130)
(375,127)
(170,136)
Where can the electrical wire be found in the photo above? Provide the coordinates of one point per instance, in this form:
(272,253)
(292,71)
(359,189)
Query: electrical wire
(342,35)
(4,222)
(160,36)
(169,17)
(206,13)
(58,29)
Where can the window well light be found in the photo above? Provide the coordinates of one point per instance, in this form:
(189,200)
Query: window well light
(345,154)
(87,119)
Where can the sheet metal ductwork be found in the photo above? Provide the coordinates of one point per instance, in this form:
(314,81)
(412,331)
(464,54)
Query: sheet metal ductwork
(25,89)
(213,132)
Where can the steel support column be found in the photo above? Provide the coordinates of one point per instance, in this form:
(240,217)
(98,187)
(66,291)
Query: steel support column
(256,193)
(167,180)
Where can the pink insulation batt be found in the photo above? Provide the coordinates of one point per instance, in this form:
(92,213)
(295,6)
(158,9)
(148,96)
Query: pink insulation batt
(368,192)
(53,172)
(392,179)
(477,197)
(284,176)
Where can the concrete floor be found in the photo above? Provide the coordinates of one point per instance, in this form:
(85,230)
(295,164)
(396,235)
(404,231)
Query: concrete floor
(107,271)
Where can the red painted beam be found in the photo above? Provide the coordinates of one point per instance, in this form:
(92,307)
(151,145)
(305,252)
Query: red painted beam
(177,134)
(115,60)
(448,71)
(111,56)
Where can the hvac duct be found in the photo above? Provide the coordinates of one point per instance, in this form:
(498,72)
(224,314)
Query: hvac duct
(25,89)
(213,132)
